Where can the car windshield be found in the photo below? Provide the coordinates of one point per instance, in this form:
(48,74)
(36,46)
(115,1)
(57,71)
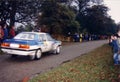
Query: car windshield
(25,36)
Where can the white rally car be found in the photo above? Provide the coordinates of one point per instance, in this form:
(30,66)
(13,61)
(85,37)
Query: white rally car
(31,44)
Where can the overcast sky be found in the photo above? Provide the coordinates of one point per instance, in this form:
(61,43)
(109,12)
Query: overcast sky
(114,6)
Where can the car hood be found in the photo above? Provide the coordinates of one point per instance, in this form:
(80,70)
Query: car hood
(19,41)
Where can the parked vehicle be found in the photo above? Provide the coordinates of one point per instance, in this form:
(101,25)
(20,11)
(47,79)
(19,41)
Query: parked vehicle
(31,44)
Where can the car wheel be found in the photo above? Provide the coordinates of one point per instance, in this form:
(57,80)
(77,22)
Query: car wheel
(38,54)
(57,50)
(31,57)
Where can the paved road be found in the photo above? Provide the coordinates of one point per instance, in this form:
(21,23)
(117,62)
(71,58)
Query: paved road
(15,69)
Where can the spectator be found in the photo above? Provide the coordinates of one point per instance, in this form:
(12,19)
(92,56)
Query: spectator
(12,32)
(76,37)
(86,37)
(111,39)
(5,32)
(1,34)
(115,46)
(81,37)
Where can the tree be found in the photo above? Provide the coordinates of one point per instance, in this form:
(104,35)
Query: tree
(19,10)
(57,17)
(93,17)
(118,26)
(83,5)
(20,29)
(97,20)
(29,27)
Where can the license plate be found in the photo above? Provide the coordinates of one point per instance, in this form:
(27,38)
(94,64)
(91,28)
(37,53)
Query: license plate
(14,45)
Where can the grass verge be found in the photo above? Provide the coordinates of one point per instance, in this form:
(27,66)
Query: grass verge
(96,66)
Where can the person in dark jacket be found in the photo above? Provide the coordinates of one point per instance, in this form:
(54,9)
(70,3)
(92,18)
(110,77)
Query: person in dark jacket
(116,49)
(5,32)
(1,33)
(12,32)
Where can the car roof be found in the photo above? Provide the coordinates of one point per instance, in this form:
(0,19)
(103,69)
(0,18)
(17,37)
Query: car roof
(35,32)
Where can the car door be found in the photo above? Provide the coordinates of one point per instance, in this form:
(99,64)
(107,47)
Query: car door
(42,42)
(50,42)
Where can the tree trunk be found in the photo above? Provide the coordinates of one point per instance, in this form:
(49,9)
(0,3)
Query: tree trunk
(12,13)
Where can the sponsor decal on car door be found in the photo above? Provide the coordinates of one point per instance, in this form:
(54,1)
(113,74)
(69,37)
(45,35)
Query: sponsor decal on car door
(42,41)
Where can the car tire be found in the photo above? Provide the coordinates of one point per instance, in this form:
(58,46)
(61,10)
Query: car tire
(57,50)
(38,54)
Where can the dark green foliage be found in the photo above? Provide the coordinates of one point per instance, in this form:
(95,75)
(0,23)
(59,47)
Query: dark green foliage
(58,18)
(29,27)
(118,26)
(95,18)
(98,21)
(19,10)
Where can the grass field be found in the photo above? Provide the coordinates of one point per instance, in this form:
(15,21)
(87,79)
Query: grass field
(96,66)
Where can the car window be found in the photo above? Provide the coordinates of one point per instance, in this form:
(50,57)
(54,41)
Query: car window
(25,36)
(42,37)
(49,38)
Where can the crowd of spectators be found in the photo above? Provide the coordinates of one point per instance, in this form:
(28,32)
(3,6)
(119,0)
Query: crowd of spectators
(6,32)
(87,37)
